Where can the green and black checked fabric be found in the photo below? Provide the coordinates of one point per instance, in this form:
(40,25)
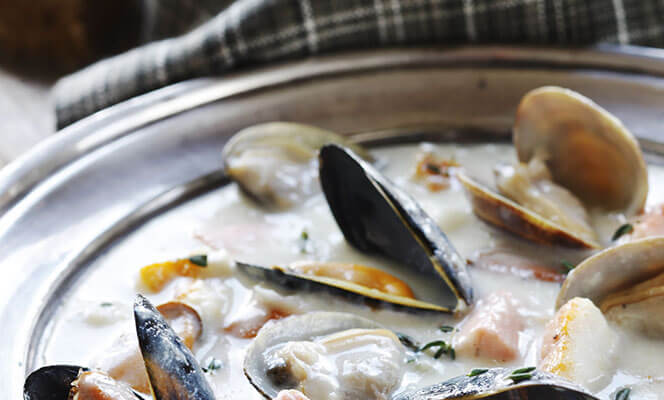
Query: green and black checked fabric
(201,38)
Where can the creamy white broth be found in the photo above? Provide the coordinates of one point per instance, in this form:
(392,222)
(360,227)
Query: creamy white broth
(229,226)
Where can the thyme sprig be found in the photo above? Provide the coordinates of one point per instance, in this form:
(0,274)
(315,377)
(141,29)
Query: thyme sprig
(443,348)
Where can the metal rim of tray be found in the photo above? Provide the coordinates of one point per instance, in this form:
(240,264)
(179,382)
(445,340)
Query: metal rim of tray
(106,126)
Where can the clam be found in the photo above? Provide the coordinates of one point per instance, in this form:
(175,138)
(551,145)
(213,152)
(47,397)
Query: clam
(307,351)
(375,216)
(501,383)
(574,156)
(172,369)
(275,162)
(626,282)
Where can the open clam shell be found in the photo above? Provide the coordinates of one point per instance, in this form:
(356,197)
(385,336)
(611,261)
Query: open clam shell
(295,328)
(275,162)
(376,216)
(499,383)
(626,282)
(498,210)
(587,149)
(589,157)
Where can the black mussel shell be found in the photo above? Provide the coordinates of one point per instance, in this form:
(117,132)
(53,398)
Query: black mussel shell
(376,216)
(502,384)
(52,382)
(173,370)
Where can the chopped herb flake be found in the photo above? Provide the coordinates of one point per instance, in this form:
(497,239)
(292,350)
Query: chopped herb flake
(105,304)
(477,371)
(435,343)
(516,378)
(622,230)
(523,370)
(446,328)
(568,265)
(200,260)
(443,348)
(623,394)
(408,342)
(304,242)
(213,365)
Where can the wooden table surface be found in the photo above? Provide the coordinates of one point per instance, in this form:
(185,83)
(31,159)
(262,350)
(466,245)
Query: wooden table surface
(26,114)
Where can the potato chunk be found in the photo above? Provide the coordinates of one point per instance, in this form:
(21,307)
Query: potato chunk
(578,344)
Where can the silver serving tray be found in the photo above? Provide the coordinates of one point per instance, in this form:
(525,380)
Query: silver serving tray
(93,182)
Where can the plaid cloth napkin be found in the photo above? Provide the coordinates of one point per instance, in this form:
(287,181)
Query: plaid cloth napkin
(201,38)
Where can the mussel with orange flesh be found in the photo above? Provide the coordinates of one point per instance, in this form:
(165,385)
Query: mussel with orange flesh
(359,283)
(375,216)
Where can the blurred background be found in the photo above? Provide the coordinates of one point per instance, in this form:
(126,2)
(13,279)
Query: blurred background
(160,42)
(43,40)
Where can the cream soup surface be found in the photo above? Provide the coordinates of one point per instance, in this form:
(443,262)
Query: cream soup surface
(228,226)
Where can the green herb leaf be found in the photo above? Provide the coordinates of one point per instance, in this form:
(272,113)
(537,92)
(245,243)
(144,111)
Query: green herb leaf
(411,360)
(435,343)
(408,342)
(213,365)
(304,235)
(568,265)
(446,328)
(622,230)
(523,370)
(443,348)
(105,304)
(477,371)
(200,260)
(516,378)
(623,394)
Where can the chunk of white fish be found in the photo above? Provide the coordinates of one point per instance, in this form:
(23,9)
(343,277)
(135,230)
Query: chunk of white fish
(579,345)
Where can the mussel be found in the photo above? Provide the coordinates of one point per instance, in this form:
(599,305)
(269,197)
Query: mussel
(502,383)
(375,216)
(172,369)
(375,287)
(307,352)
(574,156)
(275,162)
(626,282)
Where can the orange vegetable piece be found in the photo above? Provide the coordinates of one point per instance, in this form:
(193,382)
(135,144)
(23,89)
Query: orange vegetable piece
(156,276)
